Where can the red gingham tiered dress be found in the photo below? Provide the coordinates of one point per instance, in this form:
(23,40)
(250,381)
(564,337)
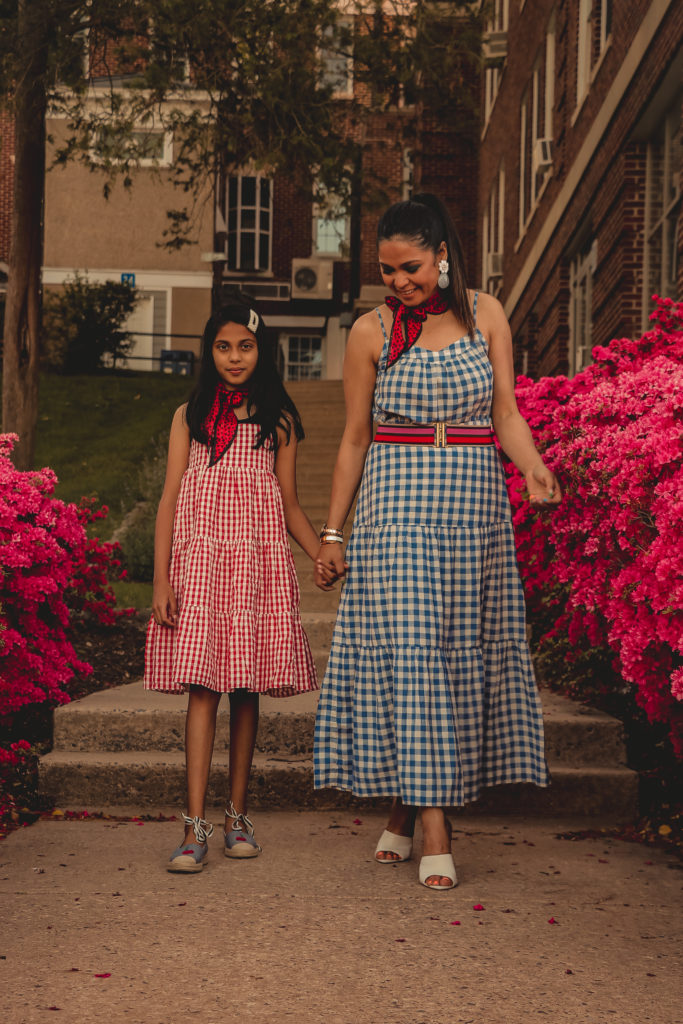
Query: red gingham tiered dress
(232,571)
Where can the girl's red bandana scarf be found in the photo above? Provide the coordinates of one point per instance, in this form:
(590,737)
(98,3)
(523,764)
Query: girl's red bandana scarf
(413,317)
(221,423)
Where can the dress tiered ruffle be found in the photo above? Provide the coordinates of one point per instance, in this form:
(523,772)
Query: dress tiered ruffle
(429,692)
(232,570)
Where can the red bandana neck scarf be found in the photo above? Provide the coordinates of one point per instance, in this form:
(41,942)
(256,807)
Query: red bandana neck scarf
(221,423)
(413,317)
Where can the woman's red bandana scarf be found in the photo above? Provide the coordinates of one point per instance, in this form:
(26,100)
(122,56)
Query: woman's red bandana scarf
(221,423)
(413,317)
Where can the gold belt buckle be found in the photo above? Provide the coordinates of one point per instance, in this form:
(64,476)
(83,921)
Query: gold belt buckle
(440,436)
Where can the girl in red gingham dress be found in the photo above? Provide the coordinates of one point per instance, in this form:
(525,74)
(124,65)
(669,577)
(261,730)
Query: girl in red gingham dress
(225,608)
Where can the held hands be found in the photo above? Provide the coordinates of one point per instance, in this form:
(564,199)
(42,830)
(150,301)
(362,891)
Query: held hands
(164,605)
(329,566)
(542,486)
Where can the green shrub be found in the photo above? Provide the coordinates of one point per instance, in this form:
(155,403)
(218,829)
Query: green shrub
(83,325)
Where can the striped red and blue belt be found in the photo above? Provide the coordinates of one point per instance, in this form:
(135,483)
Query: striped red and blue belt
(439,435)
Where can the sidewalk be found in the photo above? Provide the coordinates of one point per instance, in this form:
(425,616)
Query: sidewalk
(313,932)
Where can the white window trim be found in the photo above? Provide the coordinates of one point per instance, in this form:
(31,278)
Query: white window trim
(582,271)
(165,160)
(546,56)
(664,213)
(592,72)
(494,215)
(524,111)
(498,22)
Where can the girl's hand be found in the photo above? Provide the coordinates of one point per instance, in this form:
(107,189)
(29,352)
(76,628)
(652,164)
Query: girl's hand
(329,566)
(164,605)
(542,486)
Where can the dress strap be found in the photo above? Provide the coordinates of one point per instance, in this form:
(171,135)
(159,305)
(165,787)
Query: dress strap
(474,307)
(385,347)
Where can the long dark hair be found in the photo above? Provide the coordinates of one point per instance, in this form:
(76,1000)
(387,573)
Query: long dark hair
(425,220)
(268,403)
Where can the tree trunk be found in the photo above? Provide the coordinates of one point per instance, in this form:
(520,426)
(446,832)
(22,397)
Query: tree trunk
(21,353)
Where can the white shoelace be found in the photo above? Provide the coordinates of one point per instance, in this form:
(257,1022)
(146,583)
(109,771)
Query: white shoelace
(202,829)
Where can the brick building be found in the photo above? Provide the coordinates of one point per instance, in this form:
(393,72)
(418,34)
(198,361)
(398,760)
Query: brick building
(6,186)
(581,162)
(255,232)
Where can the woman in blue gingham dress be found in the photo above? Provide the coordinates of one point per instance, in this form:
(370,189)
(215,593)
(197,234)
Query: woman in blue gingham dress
(429,692)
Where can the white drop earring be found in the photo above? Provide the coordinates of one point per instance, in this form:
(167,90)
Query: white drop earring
(444,279)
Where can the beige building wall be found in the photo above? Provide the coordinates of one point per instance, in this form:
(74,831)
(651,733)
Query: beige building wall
(106,238)
(191,310)
(85,230)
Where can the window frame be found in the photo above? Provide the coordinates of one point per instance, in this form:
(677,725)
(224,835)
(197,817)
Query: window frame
(665,220)
(286,362)
(345,21)
(240,231)
(581,274)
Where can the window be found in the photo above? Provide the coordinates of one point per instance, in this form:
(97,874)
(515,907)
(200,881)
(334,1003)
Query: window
(147,147)
(336,57)
(581,274)
(524,162)
(536,128)
(301,357)
(407,174)
(330,225)
(495,52)
(492,235)
(595,25)
(663,209)
(249,222)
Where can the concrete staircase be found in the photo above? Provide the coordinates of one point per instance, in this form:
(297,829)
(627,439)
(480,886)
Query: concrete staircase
(124,747)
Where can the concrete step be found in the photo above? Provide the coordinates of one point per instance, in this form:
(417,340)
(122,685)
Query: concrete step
(130,718)
(92,780)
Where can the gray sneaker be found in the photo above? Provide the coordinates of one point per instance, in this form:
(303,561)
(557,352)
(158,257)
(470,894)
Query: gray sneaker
(239,839)
(191,857)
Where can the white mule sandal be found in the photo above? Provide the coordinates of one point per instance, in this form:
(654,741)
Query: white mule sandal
(389,842)
(441,865)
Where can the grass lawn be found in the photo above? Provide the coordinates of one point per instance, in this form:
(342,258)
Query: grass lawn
(96,431)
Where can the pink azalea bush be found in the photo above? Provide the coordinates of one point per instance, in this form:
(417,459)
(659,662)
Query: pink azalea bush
(50,573)
(604,572)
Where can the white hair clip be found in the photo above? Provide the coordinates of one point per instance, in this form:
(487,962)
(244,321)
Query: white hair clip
(253,321)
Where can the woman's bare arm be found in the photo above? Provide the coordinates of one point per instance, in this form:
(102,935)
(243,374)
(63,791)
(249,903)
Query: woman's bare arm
(510,426)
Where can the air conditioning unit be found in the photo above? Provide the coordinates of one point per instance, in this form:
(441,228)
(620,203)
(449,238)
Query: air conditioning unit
(495,265)
(495,48)
(543,154)
(312,279)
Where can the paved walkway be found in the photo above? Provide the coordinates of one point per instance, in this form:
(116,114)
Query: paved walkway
(313,932)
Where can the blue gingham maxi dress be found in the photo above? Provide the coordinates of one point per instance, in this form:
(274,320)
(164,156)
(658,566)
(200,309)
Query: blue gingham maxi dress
(429,692)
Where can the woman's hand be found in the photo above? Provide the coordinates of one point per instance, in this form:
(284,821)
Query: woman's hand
(542,485)
(329,566)
(164,605)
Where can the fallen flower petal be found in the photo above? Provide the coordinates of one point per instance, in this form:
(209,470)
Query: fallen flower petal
(568,971)
(103,975)
(357,821)
(399,940)
(478,906)
(455,922)
(551,920)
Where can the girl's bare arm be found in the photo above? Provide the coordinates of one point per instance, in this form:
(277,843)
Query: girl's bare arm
(360,375)
(164,605)
(299,526)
